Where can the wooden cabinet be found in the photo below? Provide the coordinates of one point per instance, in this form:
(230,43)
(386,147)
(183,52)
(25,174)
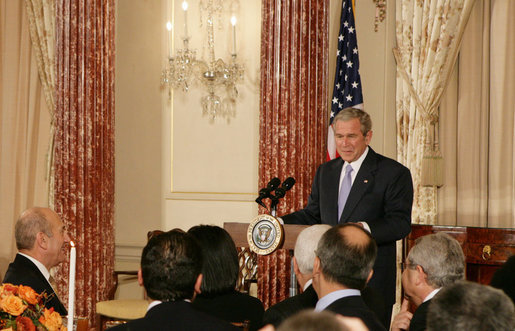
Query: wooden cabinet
(485,249)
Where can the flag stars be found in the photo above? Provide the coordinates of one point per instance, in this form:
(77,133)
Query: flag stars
(344,58)
(338,53)
(348,97)
(346,24)
(349,64)
(335,100)
(338,86)
(332,114)
(341,72)
(340,106)
(355,85)
(340,37)
(351,30)
(345,76)
(354,50)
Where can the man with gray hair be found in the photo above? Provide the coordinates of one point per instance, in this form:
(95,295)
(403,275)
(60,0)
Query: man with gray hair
(470,306)
(304,255)
(435,261)
(40,238)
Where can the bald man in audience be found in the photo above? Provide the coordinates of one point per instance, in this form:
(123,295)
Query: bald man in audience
(40,238)
(470,306)
(304,255)
(435,261)
(343,265)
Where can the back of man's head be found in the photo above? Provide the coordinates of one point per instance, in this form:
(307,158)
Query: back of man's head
(306,245)
(470,306)
(347,254)
(29,224)
(170,265)
(441,257)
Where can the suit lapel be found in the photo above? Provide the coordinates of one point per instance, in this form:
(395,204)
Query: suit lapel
(363,181)
(333,185)
(27,264)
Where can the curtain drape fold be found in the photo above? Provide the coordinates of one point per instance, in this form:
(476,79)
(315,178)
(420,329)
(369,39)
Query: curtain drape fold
(293,126)
(41,14)
(478,123)
(24,126)
(428,39)
(84,143)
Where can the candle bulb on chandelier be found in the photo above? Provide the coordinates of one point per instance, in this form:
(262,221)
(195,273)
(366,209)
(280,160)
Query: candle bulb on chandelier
(185,8)
(169,28)
(233,22)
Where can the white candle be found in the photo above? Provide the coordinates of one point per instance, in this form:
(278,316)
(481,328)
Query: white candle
(185,8)
(233,22)
(71,283)
(169,28)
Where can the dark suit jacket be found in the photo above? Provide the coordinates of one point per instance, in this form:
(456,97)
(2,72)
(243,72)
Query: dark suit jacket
(418,321)
(175,316)
(232,307)
(284,309)
(308,300)
(354,306)
(23,272)
(381,196)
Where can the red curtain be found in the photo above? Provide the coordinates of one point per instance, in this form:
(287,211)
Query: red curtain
(294,116)
(84,144)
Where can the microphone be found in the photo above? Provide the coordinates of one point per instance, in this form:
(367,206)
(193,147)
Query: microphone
(265,192)
(286,186)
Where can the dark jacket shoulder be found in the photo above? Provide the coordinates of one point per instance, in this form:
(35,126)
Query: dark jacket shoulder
(284,309)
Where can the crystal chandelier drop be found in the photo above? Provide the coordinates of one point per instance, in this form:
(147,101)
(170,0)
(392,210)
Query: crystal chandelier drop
(216,77)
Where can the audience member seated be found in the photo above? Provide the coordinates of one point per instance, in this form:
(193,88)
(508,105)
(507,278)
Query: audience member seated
(470,306)
(218,296)
(309,320)
(504,278)
(170,273)
(304,255)
(40,239)
(343,265)
(435,261)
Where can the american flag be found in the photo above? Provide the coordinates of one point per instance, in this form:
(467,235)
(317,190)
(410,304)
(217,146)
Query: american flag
(347,83)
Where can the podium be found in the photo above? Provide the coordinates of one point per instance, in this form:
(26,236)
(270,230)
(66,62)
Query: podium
(273,270)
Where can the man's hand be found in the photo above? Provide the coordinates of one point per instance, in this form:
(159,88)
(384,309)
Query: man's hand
(402,320)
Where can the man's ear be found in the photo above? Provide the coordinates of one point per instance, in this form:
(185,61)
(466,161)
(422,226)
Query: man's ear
(140,277)
(41,240)
(368,137)
(370,274)
(316,266)
(295,265)
(421,275)
(198,283)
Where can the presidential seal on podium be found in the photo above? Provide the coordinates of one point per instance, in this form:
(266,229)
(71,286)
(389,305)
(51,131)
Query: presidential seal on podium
(264,234)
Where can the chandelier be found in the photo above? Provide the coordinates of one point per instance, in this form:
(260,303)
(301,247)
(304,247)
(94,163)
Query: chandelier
(213,75)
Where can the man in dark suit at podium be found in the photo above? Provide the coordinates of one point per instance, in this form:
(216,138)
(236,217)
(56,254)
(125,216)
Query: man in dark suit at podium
(40,239)
(364,187)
